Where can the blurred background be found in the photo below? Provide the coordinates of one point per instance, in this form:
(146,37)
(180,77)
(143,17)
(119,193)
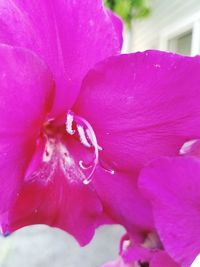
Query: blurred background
(154,24)
(164,25)
(42,246)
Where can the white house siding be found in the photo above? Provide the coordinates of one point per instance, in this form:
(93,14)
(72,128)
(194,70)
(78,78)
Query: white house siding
(146,34)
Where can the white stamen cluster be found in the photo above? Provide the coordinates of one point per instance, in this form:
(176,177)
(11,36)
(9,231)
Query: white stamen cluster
(87,138)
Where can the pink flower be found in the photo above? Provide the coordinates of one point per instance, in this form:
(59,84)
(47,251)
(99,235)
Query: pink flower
(144,105)
(72,144)
(148,252)
(46,48)
(173,186)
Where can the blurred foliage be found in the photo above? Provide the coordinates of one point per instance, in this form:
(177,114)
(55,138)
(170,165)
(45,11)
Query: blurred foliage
(129,9)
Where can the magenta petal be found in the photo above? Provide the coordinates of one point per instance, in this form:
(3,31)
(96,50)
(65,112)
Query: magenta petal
(26,92)
(123,201)
(173,186)
(25,98)
(142,106)
(54,194)
(139,253)
(71,207)
(162,259)
(117,22)
(70,36)
(148,252)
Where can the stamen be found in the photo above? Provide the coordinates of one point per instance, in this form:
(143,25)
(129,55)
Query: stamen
(69,122)
(110,171)
(91,140)
(86,181)
(95,145)
(84,167)
(82,136)
(86,135)
(106,168)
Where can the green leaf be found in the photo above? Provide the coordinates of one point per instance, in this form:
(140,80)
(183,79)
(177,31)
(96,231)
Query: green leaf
(129,9)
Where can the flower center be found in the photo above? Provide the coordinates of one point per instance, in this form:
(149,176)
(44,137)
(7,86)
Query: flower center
(57,150)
